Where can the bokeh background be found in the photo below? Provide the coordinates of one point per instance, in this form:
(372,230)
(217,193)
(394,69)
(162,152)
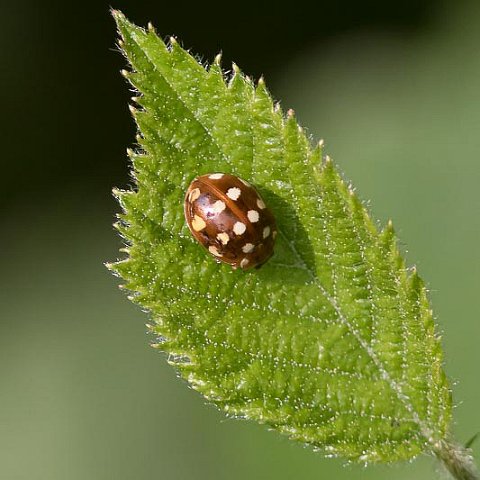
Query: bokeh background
(392,87)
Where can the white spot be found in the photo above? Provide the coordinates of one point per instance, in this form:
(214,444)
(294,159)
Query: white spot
(233,193)
(216,176)
(244,262)
(198,223)
(239,228)
(253,216)
(261,204)
(223,237)
(266,232)
(218,206)
(248,247)
(194,194)
(213,250)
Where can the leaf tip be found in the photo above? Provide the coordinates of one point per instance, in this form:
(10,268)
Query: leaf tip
(116,14)
(218,59)
(235,68)
(120,18)
(150,27)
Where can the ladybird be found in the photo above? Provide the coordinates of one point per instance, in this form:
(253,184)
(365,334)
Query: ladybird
(230,219)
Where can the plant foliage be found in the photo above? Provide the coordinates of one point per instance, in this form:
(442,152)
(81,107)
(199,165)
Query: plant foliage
(332,342)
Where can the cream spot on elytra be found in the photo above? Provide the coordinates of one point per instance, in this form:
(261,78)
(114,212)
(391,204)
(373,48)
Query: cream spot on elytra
(218,206)
(233,193)
(214,251)
(223,237)
(248,247)
(198,223)
(261,204)
(194,194)
(216,176)
(253,216)
(244,262)
(239,228)
(266,232)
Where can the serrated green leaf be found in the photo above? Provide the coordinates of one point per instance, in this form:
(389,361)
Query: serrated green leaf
(332,341)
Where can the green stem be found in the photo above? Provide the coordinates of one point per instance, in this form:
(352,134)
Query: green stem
(457,459)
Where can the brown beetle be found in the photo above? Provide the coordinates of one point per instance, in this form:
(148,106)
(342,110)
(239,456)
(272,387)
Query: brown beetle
(230,219)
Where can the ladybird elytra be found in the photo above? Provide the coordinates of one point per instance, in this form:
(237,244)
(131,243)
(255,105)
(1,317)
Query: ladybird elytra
(228,217)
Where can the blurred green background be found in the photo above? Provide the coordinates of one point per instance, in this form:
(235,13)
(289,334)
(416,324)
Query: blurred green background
(392,87)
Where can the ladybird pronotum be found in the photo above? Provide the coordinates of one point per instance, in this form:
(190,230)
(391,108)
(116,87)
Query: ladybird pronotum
(230,219)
